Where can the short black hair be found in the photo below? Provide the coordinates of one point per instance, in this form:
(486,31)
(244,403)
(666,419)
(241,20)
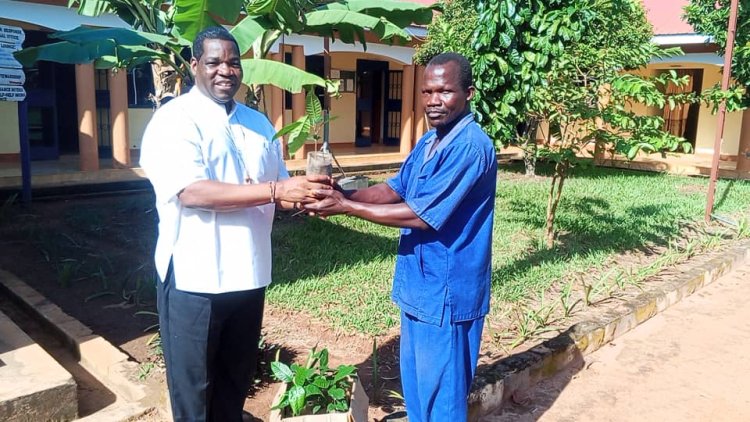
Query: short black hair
(212,33)
(465,76)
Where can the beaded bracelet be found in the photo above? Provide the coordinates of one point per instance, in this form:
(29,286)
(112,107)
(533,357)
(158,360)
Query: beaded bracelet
(272,187)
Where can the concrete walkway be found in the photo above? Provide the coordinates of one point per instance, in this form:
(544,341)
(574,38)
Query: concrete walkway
(689,363)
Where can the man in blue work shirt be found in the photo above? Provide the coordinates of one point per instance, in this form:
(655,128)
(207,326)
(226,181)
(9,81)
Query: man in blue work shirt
(443,200)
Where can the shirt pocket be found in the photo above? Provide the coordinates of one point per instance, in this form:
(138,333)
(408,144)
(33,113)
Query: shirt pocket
(433,263)
(261,157)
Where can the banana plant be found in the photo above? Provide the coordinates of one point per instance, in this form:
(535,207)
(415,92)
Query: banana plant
(160,31)
(268,20)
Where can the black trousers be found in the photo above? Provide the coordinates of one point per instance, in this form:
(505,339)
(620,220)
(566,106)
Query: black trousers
(210,344)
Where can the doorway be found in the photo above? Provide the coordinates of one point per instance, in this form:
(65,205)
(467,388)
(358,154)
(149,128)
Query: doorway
(52,109)
(371,85)
(682,121)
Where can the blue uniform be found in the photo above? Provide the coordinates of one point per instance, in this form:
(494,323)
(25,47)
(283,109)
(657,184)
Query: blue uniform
(442,276)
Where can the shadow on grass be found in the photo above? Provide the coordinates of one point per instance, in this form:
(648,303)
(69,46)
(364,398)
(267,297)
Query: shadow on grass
(308,246)
(724,194)
(583,171)
(586,226)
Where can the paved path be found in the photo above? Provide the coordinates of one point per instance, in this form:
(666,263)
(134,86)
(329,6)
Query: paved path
(690,363)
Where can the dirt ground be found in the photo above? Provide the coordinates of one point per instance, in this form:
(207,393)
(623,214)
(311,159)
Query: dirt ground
(92,257)
(685,364)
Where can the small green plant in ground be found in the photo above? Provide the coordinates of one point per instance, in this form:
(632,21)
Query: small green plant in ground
(6,207)
(743,228)
(567,303)
(67,269)
(145,369)
(313,387)
(375,369)
(155,357)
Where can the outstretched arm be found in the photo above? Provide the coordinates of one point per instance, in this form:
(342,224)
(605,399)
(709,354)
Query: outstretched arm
(219,196)
(376,194)
(388,214)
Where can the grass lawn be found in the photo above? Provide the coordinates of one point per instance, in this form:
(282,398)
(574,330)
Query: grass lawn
(340,269)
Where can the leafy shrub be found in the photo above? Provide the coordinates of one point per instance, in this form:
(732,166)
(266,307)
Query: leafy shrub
(313,386)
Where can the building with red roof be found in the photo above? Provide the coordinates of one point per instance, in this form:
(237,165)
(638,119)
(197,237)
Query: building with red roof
(703,65)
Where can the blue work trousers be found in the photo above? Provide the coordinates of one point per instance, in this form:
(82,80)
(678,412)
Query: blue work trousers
(210,344)
(437,366)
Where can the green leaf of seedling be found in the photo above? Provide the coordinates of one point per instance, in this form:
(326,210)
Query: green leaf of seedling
(633,151)
(312,390)
(321,382)
(337,393)
(324,360)
(302,374)
(298,134)
(281,372)
(296,399)
(288,129)
(341,406)
(283,402)
(343,372)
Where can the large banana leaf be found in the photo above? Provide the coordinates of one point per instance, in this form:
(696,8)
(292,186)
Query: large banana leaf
(247,31)
(66,52)
(192,16)
(288,16)
(128,56)
(284,76)
(92,7)
(260,7)
(139,14)
(104,53)
(400,13)
(347,24)
(123,36)
(106,47)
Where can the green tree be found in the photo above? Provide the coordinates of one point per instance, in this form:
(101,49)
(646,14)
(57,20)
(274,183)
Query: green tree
(452,30)
(511,44)
(711,18)
(589,95)
(160,30)
(560,63)
(512,52)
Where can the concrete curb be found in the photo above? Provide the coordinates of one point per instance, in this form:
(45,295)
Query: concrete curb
(517,373)
(96,355)
(34,386)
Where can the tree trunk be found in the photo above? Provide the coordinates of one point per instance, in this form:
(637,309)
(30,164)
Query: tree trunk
(553,201)
(529,147)
(254,96)
(599,153)
(167,82)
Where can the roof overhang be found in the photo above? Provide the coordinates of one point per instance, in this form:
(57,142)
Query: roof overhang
(691,58)
(57,18)
(680,39)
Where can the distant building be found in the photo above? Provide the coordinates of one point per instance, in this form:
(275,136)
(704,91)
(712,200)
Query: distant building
(703,66)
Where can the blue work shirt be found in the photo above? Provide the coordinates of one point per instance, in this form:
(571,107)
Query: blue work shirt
(447,266)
